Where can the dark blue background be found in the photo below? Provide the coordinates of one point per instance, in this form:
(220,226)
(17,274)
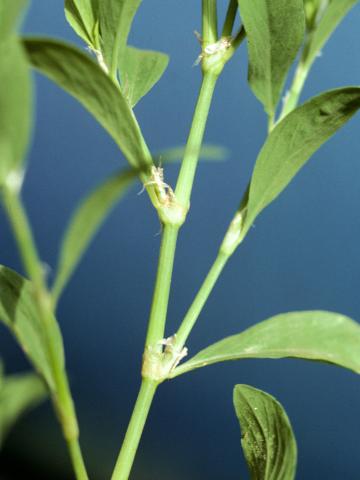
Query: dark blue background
(302,254)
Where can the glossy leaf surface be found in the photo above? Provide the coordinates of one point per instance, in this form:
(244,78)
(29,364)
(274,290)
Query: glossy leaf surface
(19,313)
(86,221)
(275,31)
(293,141)
(140,70)
(79,75)
(310,335)
(267,438)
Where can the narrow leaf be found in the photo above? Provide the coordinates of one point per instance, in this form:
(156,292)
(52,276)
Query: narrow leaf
(292,143)
(82,16)
(10,11)
(208,152)
(115,18)
(18,394)
(331,18)
(85,222)
(19,313)
(79,75)
(310,335)
(275,31)
(15,108)
(140,70)
(267,437)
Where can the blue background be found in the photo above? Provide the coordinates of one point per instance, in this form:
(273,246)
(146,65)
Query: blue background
(302,254)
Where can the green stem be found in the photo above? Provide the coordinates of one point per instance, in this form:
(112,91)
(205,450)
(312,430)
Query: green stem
(300,76)
(192,151)
(200,300)
(230,18)
(209,22)
(62,399)
(160,301)
(133,434)
(77,459)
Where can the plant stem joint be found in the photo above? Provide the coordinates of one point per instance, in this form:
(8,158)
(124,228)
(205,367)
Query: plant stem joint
(159,363)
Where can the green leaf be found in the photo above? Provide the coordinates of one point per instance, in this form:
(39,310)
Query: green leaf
(267,437)
(310,335)
(292,143)
(275,31)
(10,11)
(79,75)
(140,70)
(85,222)
(18,394)
(175,154)
(82,16)
(15,108)
(330,19)
(115,17)
(19,313)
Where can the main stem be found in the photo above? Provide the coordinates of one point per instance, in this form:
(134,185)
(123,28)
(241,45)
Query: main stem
(188,167)
(136,426)
(160,302)
(62,400)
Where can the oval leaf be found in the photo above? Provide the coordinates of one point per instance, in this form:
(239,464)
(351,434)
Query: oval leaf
(267,437)
(310,335)
(293,141)
(275,31)
(79,75)
(140,70)
(18,394)
(330,19)
(19,313)
(86,221)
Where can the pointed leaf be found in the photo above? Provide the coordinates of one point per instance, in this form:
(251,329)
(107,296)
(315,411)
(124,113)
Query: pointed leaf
(82,16)
(331,18)
(275,31)
(79,75)
(311,335)
(267,437)
(9,13)
(15,108)
(18,394)
(292,143)
(115,18)
(19,313)
(86,221)
(140,70)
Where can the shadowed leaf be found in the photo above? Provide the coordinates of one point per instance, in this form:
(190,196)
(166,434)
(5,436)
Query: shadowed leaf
(86,221)
(267,438)
(79,75)
(19,313)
